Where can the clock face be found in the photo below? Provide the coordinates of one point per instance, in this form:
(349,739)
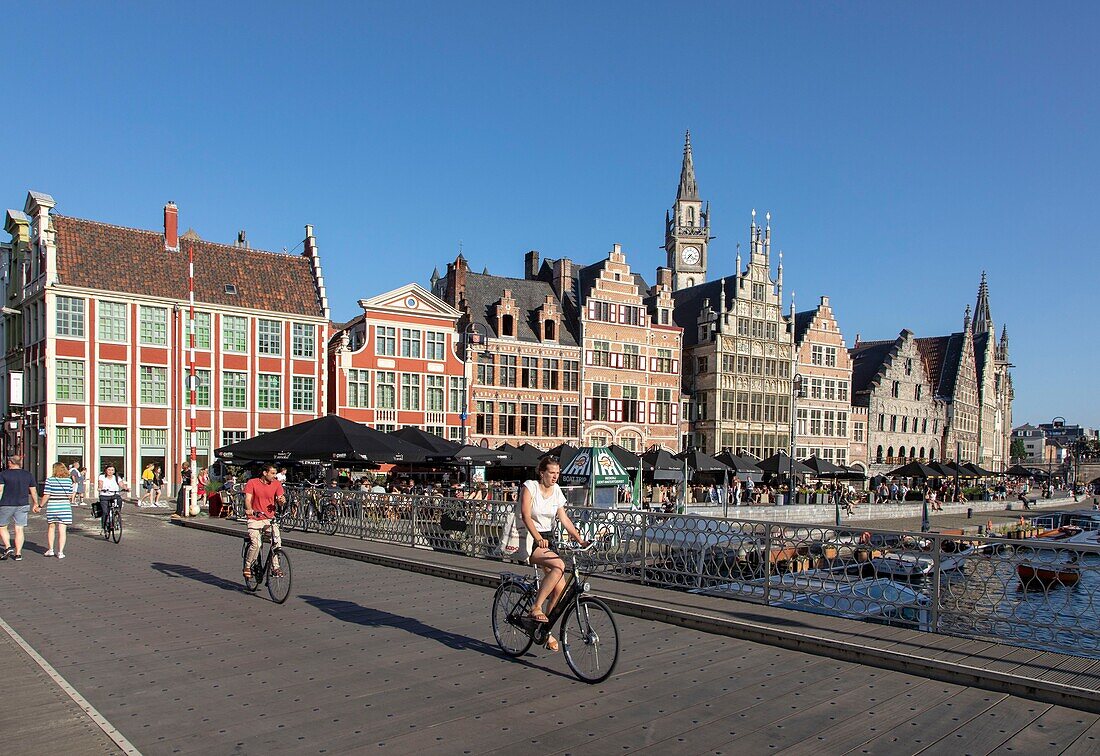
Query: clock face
(690,255)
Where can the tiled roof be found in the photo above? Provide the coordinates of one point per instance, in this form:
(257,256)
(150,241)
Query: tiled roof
(802,321)
(130,260)
(688,303)
(980,341)
(867,361)
(941,355)
(482,292)
(586,280)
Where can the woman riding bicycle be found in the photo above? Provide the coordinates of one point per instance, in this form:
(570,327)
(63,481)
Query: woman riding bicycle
(541,502)
(111,486)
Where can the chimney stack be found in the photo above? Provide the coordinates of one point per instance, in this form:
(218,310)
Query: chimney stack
(664,277)
(456,281)
(171,227)
(531,265)
(563,277)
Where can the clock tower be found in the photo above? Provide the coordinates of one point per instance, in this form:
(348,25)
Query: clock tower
(687,229)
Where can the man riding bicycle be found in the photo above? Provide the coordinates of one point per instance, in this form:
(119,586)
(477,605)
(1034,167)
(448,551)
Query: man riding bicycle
(261,497)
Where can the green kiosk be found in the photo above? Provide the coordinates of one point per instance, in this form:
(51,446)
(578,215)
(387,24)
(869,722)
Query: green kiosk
(595,477)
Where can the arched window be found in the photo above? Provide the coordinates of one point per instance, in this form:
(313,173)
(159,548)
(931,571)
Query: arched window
(922,452)
(550,328)
(691,282)
(878,455)
(890,453)
(931,454)
(691,216)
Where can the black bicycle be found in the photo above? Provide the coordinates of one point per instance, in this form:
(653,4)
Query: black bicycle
(263,570)
(314,504)
(588,633)
(111,522)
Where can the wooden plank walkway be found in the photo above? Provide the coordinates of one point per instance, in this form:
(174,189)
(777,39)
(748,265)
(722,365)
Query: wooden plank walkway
(1048,676)
(157,634)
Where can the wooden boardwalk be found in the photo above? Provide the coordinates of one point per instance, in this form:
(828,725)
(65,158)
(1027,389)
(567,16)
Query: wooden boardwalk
(158,636)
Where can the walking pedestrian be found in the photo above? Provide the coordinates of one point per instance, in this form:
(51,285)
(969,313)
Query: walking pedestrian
(74,475)
(181,495)
(17,489)
(158,484)
(147,476)
(59,510)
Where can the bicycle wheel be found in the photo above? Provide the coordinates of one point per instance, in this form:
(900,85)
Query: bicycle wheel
(330,518)
(278,587)
(116,525)
(511,601)
(590,639)
(252,583)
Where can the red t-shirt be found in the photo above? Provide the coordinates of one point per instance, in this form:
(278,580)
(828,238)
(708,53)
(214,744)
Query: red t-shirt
(263,497)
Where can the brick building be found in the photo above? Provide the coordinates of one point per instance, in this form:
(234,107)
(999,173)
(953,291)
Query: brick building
(399,364)
(631,370)
(823,409)
(525,360)
(96,322)
(950,366)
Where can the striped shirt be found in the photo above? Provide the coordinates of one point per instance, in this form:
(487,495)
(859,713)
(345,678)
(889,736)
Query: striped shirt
(58,508)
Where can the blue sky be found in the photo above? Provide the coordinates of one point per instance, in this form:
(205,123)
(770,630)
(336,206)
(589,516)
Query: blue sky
(900,149)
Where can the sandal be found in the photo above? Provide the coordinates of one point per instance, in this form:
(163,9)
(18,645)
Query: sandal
(247,574)
(537,615)
(552,643)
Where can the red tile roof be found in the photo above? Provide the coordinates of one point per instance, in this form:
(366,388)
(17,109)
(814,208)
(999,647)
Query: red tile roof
(101,256)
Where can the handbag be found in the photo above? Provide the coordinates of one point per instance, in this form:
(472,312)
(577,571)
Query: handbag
(515,542)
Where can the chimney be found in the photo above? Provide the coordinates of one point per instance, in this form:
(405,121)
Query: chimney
(242,239)
(171,227)
(563,277)
(664,277)
(531,265)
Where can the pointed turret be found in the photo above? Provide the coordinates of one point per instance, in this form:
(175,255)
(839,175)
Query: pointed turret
(966,319)
(983,320)
(1004,343)
(687,190)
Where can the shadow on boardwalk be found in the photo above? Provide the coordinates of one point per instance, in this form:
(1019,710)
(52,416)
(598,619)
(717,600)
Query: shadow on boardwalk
(191,573)
(349,611)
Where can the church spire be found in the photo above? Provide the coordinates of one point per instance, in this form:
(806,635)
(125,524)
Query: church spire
(687,190)
(983,320)
(1004,343)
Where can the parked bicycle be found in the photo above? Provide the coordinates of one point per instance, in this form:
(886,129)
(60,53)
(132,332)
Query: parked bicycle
(314,505)
(588,633)
(111,524)
(263,570)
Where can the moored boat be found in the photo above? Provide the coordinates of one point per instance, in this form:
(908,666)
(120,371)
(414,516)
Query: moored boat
(1054,575)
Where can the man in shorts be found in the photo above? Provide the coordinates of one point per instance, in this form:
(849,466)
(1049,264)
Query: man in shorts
(18,489)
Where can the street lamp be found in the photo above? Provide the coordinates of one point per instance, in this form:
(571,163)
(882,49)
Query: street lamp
(1050,462)
(473,336)
(796,393)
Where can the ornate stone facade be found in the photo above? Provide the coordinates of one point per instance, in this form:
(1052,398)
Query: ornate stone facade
(905,419)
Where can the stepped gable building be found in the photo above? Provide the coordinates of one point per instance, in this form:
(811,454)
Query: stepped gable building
(521,340)
(630,376)
(949,364)
(99,336)
(400,363)
(905,417)
(823,406)
(995,393)
(738,352)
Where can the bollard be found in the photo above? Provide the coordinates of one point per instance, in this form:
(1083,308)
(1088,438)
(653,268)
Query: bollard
(970,513)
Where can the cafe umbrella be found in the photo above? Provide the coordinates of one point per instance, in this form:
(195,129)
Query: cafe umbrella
(327,440)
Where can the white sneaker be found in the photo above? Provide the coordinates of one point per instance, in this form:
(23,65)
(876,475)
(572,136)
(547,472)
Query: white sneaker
(48,553)
(61,555)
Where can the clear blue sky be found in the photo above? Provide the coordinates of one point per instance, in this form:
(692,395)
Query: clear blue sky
(900,149)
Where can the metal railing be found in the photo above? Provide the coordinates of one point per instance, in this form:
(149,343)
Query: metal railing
(1007,587)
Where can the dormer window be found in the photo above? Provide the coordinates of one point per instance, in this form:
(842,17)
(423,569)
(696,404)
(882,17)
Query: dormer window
(550,329)
(507,325)
(230,288)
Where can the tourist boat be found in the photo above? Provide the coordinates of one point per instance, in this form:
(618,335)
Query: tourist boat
(909,567)
(1053,576)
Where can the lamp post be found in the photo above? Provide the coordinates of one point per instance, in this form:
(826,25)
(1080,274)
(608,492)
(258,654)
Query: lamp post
(1054,423)
(473,336)
(796,393)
